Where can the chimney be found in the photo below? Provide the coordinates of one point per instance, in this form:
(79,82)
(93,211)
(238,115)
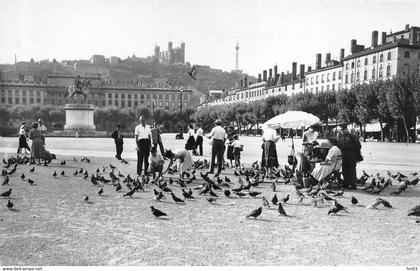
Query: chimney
(259,78)
(246,81)
(270,73)
(281,78)
(413,36)
(353,45)
(407,27)
(394,38)
(374,38)
(318,61)
(383,38)
(327,58)
(302,71)
(242,84)
(276,74)
(309,68)
(341,54)
(294,70)
(265,75)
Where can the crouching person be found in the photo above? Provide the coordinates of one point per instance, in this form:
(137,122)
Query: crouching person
(155,163)
(184,158)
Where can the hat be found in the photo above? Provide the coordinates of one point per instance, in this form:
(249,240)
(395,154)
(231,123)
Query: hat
(39,120)
(218,121)
(325,145)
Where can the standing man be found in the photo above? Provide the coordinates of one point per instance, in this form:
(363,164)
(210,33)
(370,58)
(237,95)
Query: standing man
(43,129)
(199,140)
(143,140)
(157,138)
(117,135)
(218,135)
(350,147)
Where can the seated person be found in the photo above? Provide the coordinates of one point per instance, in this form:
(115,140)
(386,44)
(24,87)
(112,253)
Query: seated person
(331,163)
(155,163)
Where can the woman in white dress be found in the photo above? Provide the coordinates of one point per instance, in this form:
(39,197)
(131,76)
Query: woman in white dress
(269,154)
(331,163)
(184,158)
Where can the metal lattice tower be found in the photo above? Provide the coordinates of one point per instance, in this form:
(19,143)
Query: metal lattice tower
(237,53)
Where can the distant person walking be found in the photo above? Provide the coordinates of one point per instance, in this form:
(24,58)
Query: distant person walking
(350,146)
(230,148)
(143,136)
(157,138)
(43,129)
(118,136)
(218,135)
(269,154)
(190,145)
(23,140)
(37,145)
(199,140)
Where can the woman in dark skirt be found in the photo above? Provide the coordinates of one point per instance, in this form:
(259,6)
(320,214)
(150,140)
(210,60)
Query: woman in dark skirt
(269,154)
(190,145)
(229,153)
(23,143)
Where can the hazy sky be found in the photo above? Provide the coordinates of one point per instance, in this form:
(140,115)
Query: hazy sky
(269,32)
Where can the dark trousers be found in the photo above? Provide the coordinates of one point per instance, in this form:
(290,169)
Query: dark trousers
(217,150)
(199,145)
(162,150)
(119,147)
(349,173)
(143,151)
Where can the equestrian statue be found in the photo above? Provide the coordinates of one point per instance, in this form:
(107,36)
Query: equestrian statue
(79,88)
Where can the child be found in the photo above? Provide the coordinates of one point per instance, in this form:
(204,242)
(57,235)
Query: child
(184,159)
(155,163)
(237,148)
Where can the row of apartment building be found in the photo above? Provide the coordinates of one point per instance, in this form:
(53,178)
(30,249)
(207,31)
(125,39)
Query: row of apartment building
(398,53)
(100,95)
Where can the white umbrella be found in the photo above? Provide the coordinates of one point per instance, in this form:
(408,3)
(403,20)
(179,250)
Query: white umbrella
(292,119)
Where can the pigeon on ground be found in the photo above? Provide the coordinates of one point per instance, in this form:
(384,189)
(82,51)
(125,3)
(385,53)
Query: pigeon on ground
(9,205)
(63,173)
(159,196)
(385,203)
(30,181)
(240,194)
(55,174)
(265,202)
(254,193)
(6,194)
(32,169)
(354,201)
(186,195)
(6,180)
(275,200)
(286,199)
(255,213)
(157,212)
(281,210)
(118,187)
(212,194)
(22,177)
(101,191)
(415,211)
(86,198)
(211,199)
(129,193)
(227,193)
(176,199)
(374,204)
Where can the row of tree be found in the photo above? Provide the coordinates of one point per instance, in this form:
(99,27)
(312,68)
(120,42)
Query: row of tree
(395,103)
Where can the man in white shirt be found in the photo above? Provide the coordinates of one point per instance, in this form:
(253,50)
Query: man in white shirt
(199,140)
(218,135)
(143,141)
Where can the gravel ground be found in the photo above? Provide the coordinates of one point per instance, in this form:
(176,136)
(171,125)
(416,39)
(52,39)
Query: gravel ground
(51,225)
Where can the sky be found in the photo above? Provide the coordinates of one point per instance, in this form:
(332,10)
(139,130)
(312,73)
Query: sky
(269,32)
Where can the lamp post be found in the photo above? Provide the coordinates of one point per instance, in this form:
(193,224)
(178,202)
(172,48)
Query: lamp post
(181,136)
(153,110)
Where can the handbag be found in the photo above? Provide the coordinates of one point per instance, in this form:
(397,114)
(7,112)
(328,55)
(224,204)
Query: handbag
(291,159)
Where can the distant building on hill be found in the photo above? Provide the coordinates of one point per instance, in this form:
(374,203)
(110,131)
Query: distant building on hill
(171,56)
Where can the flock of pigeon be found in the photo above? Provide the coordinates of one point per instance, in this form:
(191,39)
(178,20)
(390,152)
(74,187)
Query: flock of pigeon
(246,180)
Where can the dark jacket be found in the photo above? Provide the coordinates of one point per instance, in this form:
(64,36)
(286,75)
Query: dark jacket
(117,139)
(350,147)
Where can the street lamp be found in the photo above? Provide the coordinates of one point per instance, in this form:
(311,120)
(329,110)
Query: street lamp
(181,136)
(153,111)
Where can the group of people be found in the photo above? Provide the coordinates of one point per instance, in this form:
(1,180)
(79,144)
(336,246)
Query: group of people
(195,140)
(37,135)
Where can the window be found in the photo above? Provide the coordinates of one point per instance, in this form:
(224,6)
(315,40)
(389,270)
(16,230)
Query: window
(351,78)
(322,79)
(122,104)
(389,56)
(380,71)
(167,96)
(358,76)
(347,66)
(312,80)
(365,75)
(141,96)
(316,79)
(322,89)
(358,63)
(316,90)
(373,73)
(328,87)
(352,65)
(366,61)
(116,103)
(109,96)
(407,54)
(346,80)
(129,103)
(339,75)
(160,104)
(333,87)
(135,96)
(388,70)
(374,60)
(129,96)
(160,96)
(333,76)
(103,103)
(381,58)
(122,96)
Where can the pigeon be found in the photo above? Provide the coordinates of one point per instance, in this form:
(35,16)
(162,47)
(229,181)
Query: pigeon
(213,194)
(129,193)
(81,170)
(101,191)
(240,194)
(159,196)
(211,199)
(63,163)
(6,194)
(374,204)
(205,190)
(76,173)
(112,167)
(32,169)
(275,200)
(255,213)
(118,187)
(339,206)
(176,199)
(265,202)
(22,176)
(86,199)
(63,173)
(385,203)
(415,211)
(254,193)
(397,192)
(281,210)
(193,72)
(74,159)
(227,193)
(6,180)
(157,212)
(334,210)
(354,201)
(415,181)
(339,193)
(187,195)
(9,205)
(285,199)
(30,181)
(55,174)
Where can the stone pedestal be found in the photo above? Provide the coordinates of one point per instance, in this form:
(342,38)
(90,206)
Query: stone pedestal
(79,119)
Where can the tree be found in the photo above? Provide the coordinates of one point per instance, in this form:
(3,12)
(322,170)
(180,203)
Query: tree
(346,102)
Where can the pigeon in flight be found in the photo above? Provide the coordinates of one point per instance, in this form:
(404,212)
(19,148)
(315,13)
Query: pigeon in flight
(193,72)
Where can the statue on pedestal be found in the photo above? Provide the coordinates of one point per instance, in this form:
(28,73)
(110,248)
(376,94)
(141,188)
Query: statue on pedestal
(79,88)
